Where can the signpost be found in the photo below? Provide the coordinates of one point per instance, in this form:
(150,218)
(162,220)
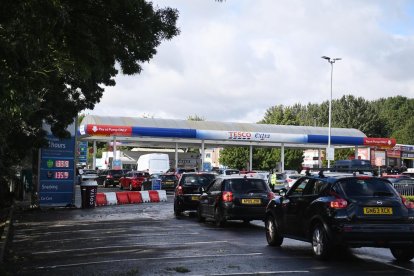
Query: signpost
(57,169)
(83,152)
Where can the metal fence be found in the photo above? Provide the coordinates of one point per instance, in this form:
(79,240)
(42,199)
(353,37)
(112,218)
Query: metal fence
(404,189)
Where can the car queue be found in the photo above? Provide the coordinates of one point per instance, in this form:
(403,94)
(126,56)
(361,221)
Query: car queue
(330,210)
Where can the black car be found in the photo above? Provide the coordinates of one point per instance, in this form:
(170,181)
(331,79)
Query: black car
(234,198)
(187,192)
(109,177)
(333,211)
(168,181)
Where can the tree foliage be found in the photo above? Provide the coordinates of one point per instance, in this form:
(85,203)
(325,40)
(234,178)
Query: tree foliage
(57,56)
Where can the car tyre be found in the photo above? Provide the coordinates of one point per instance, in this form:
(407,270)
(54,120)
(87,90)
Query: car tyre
(273,234)
(218,217)
(200,217)
(177,209)
(403,254)
(321,245)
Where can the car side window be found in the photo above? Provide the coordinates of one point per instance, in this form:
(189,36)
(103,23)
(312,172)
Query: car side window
(215,186)
(297,190)
(318,187)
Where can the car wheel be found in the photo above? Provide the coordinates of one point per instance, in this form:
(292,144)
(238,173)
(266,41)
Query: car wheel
(273,236)
(200,217)
(177,209)
(130,187)
(403,254)
(320,243)
(218,218)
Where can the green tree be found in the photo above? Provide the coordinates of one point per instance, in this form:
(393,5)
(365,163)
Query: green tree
(351,112)
(397,114)
(195,117)
(57,56)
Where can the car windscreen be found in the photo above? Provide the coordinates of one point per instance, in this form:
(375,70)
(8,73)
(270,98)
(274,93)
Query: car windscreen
(366,187)
(280,176)
(168,177)
(116,172)
(89,172)
(141,174)
(196,179)
(245,185)
(295,176)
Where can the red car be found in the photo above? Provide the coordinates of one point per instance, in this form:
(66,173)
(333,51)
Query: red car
(133,180)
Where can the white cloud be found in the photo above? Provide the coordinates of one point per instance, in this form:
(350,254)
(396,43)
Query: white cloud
(233,60)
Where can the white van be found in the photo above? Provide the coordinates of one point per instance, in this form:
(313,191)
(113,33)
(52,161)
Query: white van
(153,163)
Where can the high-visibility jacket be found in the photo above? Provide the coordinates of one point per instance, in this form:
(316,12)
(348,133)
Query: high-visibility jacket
(273,179)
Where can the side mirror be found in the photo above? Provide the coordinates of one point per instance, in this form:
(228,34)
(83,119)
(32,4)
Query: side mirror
(282,192)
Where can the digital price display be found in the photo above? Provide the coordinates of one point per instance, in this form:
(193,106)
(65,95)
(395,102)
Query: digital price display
(62,163)
(61,175)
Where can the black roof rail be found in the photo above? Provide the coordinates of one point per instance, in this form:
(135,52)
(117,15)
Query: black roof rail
(354,171)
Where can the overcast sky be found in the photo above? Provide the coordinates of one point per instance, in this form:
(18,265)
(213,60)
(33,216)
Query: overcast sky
(233,60)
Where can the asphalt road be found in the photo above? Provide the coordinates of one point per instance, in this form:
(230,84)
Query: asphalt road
(146,239)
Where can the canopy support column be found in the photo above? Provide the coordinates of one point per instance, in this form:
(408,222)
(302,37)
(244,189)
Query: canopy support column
(319,158)
(176,157)
(202,155)
(282,157)
(356,152)
(94,155)
(251,158)
(114,151)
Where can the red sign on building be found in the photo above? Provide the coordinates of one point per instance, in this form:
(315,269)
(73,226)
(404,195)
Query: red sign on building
(108,130)
(380,142)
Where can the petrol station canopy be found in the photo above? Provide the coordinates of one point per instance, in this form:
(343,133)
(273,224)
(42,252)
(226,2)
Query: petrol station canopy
(168,133)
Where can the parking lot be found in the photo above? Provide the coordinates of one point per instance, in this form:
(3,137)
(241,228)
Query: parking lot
(146,239)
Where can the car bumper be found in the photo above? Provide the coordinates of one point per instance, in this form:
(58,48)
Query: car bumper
(375,235)
(188,202)
(233,212)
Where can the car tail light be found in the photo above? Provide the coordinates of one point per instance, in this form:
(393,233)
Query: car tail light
(109,176)
(179,190)
(409,204)
(227,196)
(134,182)
(270,195)
(338,203)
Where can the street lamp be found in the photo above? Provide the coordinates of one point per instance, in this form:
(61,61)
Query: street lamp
(331,61)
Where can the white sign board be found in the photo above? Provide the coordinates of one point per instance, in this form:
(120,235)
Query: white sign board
(330,153)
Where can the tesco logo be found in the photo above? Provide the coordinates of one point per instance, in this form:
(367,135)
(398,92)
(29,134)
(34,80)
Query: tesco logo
(239,135)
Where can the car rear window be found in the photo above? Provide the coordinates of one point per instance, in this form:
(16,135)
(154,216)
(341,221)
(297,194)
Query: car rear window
(366,187)
(196,179)
(246,185)
(230,172)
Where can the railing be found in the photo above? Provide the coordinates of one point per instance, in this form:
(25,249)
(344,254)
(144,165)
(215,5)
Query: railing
(404,189)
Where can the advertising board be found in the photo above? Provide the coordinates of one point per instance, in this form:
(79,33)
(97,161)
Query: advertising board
(57,169)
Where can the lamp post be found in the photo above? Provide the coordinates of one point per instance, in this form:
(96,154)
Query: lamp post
(331,61)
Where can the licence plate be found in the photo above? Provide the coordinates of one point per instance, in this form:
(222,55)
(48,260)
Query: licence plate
(377,211)
(169,183)
(251,201)
(195,198)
